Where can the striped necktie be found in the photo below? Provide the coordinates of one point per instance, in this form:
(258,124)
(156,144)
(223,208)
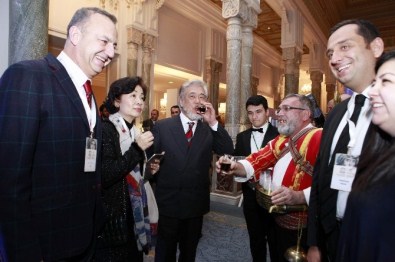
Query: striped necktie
(189,133)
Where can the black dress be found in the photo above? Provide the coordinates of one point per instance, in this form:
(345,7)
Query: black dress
(368,228)
(117,240)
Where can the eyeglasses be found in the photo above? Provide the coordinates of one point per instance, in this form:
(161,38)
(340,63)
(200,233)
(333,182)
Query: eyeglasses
(193,96)
(287,108)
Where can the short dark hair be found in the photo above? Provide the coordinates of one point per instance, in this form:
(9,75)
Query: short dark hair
(386,56)
(175,106)
(82,14)
(125,85)
(366,29)
(256,101)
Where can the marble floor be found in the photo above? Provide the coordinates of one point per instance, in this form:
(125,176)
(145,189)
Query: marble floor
(224,236)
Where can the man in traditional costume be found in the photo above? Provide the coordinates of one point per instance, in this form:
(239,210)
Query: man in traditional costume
(292,156)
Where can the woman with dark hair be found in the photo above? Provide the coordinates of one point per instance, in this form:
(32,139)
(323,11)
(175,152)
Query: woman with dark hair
(126,234)
(368,229)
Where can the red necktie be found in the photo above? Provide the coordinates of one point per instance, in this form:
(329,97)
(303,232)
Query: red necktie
(189,133)
(88,91)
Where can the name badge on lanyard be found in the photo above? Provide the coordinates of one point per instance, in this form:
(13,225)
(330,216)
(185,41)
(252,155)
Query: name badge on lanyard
(90,154)
(344,172)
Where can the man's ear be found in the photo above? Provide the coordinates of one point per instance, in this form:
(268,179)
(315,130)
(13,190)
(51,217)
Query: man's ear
(377,46)
(75,35)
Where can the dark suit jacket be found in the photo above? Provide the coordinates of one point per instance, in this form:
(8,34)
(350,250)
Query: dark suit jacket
(323,199)
(48,203)
(243,140)
(148,125)
(183,180)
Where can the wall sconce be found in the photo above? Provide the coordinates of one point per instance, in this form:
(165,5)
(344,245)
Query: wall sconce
(222,108)
(163,103)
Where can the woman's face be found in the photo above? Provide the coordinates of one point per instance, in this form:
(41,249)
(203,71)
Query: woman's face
(131,105)
(383,96)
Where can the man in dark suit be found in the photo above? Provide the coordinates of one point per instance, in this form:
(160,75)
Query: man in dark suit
(49,178)
(259,223)
(148,124)
(183,182)
(353,47)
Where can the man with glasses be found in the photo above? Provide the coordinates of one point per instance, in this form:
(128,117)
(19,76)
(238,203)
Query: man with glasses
(292,156)
(182,183)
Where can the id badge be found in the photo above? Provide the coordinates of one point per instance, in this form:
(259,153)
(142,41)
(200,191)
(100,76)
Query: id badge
(90,154)
(344,172)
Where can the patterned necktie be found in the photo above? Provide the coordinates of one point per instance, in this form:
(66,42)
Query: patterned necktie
(189,133)
(88,91)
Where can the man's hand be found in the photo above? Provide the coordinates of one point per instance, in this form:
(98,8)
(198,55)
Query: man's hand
(314,254)
(287,196)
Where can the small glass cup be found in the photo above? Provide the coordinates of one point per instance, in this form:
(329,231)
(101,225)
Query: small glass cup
(225,164)
(201,109)
(265,180)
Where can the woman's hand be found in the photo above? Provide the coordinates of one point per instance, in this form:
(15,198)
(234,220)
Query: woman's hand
(145,140)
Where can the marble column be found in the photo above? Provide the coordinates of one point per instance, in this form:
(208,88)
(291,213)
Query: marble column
(254,85)
(211,77)
(134,41)
(148,49)
(233,37)
(292,58)
(246,72)
(316,78)
(330,85)
(28,35)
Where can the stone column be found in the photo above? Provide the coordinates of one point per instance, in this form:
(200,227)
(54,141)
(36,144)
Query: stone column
(292,45)
(242,17)
(316,78)
(148,49)
(246,73)
(254,86)
(211,77)
(330,84)
(134,40)
(233,37)
(28,35)
(292,59)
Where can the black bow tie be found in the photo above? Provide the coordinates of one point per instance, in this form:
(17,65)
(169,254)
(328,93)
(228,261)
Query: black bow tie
(260,130)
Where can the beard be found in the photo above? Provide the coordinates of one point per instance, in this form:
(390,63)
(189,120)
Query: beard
(287,128)
(193,116)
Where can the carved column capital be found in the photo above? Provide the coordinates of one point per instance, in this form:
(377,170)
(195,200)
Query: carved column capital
(134,36)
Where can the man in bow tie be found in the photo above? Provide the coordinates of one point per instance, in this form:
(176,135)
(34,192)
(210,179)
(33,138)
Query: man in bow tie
(259,222)
(292,155)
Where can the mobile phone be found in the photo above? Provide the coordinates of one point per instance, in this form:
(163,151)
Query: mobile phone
(156,157)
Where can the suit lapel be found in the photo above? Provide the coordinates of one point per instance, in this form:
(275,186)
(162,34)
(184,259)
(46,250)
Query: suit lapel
(177,131)
(247,141)
(67,85)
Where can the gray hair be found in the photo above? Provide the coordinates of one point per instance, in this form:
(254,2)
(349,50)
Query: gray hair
(187,84)
(305,101)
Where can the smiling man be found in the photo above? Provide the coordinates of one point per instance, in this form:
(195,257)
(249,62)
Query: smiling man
(352,50)
(292,156)
(49,180)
